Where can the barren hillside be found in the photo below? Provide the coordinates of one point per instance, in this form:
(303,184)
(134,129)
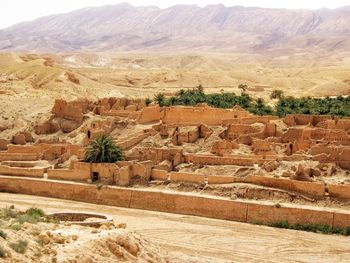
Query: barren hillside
(29,83)
(124,27)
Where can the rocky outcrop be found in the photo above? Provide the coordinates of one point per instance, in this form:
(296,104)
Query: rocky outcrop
(22,138)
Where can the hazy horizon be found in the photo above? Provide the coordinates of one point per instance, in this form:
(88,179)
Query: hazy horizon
(29,9)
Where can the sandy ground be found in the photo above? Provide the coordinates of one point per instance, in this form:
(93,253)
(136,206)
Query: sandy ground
(208,240)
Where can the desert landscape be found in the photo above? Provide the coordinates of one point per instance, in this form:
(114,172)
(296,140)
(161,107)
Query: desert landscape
(224,139)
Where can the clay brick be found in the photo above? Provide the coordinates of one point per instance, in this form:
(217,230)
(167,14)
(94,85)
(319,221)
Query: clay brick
(187,178)
(216,179)
(159,175)
(267,214)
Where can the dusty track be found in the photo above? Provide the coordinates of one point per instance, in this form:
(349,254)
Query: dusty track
(214,240)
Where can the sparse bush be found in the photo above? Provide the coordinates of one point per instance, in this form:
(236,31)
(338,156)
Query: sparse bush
(7,213)
(32,215)
(20,246)
(37,212)
(103,150)
(3,234)
(16,227)
(148,101)
(243,88)
(276,94)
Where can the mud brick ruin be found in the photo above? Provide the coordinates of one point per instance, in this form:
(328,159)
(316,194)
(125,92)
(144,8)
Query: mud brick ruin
(302,155)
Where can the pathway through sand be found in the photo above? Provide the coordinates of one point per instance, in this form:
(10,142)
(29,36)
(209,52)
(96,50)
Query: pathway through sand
(208,239)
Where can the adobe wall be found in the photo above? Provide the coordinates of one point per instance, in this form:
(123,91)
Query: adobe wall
(339,191)
(216,179)
(249,120)
(206,159)
(187,177)
(262,147)
(131,140)
(200,115)
(157,155)
(305,119)
(3,144)
(325,154)
(4,156)
(19,171)
(316,190)
(188,204)
(268,214)
(150,114)
(159,175)
(68,175)
(70,110)
(46,151)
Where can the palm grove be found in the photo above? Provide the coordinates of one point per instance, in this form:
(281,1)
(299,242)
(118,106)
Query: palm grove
(338,106)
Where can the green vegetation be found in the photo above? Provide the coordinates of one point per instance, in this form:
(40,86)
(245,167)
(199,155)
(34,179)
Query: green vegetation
(32,215)
(20,246)
(325,229)
(276,94)
(14,221)
(103,150)
(148,101)
(339,106)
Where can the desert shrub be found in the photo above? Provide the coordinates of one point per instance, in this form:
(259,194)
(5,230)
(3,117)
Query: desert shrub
(243,88)
(7,213)
(3,234)
(37,212)
(32,215)
(276,94)
(20,246)
(148,101)
(103,150)
(16,227)
(2,252)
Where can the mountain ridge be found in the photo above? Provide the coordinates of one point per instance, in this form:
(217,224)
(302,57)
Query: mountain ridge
(124,27)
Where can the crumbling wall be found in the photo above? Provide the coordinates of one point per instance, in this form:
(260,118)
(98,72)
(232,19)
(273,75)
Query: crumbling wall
(150,114)
(200,115)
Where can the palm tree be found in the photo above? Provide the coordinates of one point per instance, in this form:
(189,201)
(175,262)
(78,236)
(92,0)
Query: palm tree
(160,99)
(103,150)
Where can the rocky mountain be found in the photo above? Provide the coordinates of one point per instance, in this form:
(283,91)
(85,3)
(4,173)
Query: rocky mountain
(124,27)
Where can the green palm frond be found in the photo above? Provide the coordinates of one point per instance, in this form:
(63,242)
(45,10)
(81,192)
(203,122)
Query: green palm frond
(103,150)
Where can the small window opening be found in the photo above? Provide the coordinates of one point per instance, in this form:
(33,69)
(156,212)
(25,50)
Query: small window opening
(95,177)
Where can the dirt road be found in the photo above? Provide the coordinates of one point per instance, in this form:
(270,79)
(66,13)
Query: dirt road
(209,240)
